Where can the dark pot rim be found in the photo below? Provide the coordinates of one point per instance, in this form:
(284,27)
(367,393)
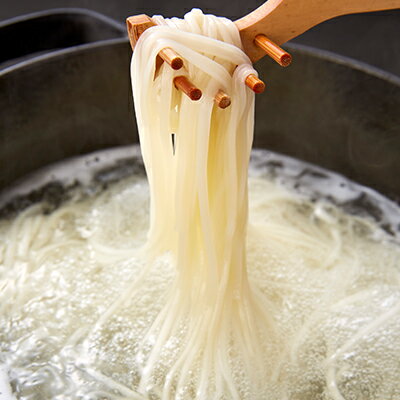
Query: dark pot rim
(345,61)
(307,50)
(60,11)
(53,53)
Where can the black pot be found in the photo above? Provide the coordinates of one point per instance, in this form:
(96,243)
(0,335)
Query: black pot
(325,109)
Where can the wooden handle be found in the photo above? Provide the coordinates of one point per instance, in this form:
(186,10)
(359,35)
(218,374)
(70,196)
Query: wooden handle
(282,20)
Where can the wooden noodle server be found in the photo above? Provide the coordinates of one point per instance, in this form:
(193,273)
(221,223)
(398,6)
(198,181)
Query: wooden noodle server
(263,31)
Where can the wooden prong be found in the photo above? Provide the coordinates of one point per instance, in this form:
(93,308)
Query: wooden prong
(222,100)
(136,25)
(171,57)
(187,87)
(255,84)
(281,56)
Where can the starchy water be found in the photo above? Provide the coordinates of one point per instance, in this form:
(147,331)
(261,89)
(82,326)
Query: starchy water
(69,328)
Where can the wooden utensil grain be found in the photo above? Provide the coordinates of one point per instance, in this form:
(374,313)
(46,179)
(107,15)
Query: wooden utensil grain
(262,31)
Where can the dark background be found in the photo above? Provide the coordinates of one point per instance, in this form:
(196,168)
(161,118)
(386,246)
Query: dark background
(373,38)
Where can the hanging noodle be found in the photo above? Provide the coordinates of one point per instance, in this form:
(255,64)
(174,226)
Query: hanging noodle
(202,183)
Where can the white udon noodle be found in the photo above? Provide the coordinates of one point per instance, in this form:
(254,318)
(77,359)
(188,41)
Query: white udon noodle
(199,206)
(199,200)
(211,304)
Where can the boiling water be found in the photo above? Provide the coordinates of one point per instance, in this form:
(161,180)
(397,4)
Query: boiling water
(335,292)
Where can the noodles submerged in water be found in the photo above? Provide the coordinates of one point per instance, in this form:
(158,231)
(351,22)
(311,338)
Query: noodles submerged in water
(300,302)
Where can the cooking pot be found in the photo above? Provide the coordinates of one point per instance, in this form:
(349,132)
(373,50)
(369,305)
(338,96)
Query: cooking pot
(65,91)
